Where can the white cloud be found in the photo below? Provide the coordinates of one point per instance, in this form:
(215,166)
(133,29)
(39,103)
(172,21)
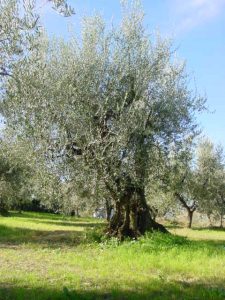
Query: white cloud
(192,13)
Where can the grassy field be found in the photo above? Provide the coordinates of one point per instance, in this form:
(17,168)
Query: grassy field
(48,257)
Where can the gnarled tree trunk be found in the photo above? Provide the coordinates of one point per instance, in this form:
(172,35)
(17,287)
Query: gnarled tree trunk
(221,221)
(132,216)
(3,209)
(190,209)
(109,208)
(190,217)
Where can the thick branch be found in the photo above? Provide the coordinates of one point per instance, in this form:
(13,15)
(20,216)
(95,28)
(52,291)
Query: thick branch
(190,208)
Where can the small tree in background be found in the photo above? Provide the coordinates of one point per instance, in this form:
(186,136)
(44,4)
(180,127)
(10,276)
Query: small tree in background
(15,175)
(211,174)
(184,181)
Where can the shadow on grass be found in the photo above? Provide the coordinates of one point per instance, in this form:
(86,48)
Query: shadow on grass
(174,226)
(39,215)
(154,290)
(46,216)
(13,236)
(78,223)
(211,228)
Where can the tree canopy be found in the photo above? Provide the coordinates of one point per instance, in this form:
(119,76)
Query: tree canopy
(105,108)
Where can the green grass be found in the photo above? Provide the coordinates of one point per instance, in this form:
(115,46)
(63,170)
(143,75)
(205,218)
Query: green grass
(48,257)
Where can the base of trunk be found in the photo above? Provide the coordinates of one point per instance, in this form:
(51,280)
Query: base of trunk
(122,232)
(140,222)
(190,218)
(4,212)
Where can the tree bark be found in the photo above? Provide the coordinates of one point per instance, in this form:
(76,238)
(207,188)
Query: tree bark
(117,219)
(77,212)
(109,208)
(221,221)
(133,217)
(190,209)
(126,230)
(3,209)
(146,221)
(190,217)
(210,220)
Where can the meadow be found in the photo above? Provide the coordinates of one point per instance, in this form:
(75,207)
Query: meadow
(51,257)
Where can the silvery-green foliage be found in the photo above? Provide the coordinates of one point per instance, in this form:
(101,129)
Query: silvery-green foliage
(18,26)
(103,107)
(182,170)
(19,32)
(211,174)
(15,173)
(176,184)
(24,175)
(161,200)
(62,7)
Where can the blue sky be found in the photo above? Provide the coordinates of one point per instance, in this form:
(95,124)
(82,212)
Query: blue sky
(198,30)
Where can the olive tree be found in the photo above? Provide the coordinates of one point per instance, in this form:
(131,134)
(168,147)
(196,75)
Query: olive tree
(15,175)
(106,106)
(211,174)
(177,182)
(20,30)
(184,180)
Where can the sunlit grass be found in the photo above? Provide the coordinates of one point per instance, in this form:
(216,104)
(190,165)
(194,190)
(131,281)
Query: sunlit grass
(213,234)
(45,256)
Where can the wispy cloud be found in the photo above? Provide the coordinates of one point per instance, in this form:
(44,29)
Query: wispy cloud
(192,13)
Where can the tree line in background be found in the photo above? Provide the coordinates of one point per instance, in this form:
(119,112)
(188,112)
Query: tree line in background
(106,118)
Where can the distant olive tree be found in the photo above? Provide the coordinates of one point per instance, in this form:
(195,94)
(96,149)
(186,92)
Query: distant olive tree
(211,174)
(183,178)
